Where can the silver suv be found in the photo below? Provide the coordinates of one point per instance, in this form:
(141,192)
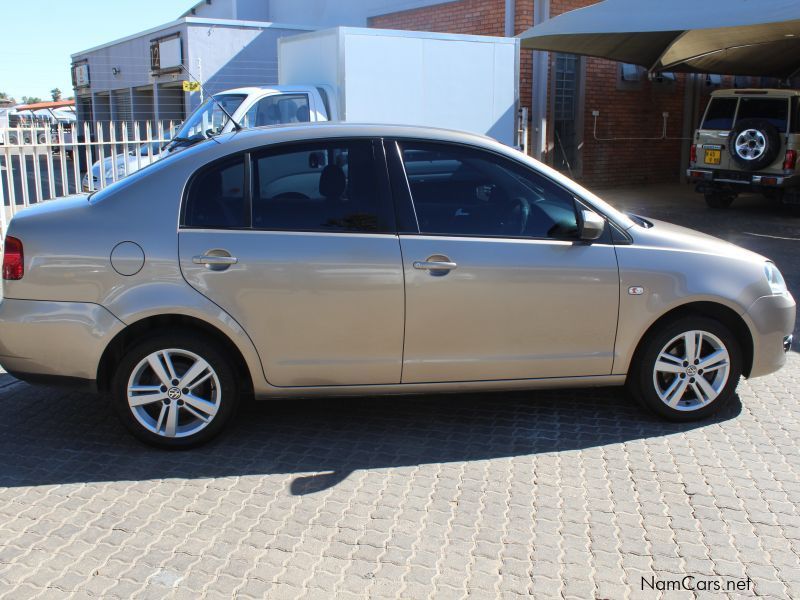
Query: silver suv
(342,259)
(748,141)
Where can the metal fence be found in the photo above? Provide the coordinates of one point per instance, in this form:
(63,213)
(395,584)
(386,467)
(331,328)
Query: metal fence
(38,163)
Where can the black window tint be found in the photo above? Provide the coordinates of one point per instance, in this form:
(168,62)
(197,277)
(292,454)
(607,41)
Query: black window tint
(464,191)
(319,187)
(216,198)
(720,114)
(795,118)
(774,110)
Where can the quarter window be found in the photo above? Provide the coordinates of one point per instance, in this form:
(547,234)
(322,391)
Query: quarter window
(319,187)
(216,197)
(465,191)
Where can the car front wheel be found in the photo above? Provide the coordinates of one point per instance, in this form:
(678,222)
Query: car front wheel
(174,390)
(687,370)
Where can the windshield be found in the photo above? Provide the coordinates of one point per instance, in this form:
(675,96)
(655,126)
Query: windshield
(209,116)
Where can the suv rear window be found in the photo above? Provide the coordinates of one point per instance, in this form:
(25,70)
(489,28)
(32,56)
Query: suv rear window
(774,110)
(720,113)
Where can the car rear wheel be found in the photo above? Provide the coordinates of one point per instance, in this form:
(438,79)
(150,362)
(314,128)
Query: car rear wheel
(687,369)
(719,199)
(175,390)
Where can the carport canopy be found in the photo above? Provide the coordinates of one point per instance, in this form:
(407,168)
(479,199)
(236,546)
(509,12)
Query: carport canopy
(733,37)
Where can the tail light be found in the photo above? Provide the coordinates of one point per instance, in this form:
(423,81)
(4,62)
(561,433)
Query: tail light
(790,161)
(693,153)
(13,259)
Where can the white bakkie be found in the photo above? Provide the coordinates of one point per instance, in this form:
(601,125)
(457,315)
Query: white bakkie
(363,75)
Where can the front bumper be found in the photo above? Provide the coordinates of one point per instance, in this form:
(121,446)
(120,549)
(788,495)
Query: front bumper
(51,340)
(771,320)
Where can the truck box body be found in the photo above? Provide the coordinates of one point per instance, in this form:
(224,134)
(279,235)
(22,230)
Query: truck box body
(465,82)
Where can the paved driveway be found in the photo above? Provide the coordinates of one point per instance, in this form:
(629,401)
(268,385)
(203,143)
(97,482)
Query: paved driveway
(573,494)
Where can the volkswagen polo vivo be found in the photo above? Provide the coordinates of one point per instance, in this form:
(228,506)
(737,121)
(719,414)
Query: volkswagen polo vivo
(342,259)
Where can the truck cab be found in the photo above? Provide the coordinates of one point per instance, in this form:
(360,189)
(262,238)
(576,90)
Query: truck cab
(254,107)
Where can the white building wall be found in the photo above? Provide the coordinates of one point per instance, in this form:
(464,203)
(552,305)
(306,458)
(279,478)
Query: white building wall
(243,10)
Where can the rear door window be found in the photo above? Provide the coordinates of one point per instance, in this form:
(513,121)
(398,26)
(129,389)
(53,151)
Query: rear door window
(773,110)
(321,186)
(720,114)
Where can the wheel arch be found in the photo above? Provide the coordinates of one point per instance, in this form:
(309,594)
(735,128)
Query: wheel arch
(714,310)
(159,323)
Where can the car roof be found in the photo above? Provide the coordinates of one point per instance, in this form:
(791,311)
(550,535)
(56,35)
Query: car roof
(246,139)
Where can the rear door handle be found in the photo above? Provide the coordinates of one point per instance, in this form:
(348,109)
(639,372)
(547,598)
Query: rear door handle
(434,265)
(206,259)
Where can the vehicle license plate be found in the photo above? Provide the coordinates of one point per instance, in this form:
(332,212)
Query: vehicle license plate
(712,157)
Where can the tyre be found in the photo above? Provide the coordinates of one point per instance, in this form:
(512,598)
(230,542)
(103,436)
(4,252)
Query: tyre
(687,369)
(754,144)
(175,390)
(719,200)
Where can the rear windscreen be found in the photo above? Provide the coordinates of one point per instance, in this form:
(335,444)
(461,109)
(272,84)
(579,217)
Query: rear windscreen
(720,113)
(774,110)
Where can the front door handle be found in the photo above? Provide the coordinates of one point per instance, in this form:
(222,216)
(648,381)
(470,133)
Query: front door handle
(434,265)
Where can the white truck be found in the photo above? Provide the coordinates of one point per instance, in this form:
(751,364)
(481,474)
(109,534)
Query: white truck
(465,82)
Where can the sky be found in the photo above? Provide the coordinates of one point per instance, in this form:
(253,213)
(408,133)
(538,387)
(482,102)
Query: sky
(38,38)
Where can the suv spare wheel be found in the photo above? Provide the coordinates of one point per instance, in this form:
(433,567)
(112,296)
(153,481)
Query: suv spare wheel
(754,144)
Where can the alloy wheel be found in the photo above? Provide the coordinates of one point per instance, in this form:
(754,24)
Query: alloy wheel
(750,144)
(691,370)
(174,393)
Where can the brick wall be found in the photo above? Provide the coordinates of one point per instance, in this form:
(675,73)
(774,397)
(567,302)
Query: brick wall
(624,113)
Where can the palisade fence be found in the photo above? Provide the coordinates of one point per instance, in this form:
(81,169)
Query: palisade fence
(42,163)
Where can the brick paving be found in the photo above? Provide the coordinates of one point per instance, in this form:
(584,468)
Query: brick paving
(572,494)
(553,494)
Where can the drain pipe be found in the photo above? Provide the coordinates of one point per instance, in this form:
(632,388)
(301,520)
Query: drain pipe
(541,12)
(510,18)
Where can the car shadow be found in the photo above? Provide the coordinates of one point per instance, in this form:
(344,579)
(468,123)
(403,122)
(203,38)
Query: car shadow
(51,437)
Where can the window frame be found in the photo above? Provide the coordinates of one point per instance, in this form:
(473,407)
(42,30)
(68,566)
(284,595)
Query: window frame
(405,202)
(384,196)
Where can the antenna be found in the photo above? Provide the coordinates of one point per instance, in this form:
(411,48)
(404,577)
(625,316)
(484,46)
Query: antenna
(236,125)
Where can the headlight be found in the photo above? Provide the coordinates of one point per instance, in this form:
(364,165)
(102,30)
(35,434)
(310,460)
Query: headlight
(776,282)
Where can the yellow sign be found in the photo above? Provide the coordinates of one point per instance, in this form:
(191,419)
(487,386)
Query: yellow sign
(191,86)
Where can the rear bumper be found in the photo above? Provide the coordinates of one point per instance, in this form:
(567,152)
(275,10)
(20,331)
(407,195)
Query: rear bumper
(53,341)
(741,179)
(771,319)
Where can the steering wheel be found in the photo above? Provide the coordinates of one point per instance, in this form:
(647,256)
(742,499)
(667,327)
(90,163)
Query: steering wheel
(519,211)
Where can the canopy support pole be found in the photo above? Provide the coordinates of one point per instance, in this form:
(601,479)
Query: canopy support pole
(541,12)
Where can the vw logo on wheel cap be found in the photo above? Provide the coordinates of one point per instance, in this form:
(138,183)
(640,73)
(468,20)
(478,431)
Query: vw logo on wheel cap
(174,393)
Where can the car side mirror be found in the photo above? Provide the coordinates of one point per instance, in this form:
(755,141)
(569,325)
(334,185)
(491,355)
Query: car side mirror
(592,225)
